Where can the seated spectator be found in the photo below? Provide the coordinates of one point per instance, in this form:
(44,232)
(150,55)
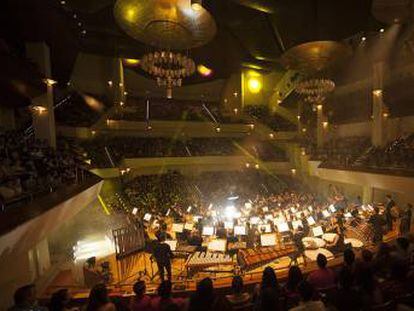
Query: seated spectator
(60,301)
(204,298)
(347,298)
(382,260)
(401,252)
(307,293)
(398,285)
(164,299)
(323,277)
(99,300)
(25,299)
(269,287)
(295,277)
(368,288)
(238,297)
(140,302)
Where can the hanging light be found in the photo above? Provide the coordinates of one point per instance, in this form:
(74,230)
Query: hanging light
(196,5)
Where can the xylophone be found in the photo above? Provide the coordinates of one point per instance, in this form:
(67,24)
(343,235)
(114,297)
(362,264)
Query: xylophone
(200,261)
(252,258)
(182,251)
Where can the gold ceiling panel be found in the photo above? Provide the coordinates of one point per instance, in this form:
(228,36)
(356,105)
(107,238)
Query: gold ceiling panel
(315,56)
(165,23)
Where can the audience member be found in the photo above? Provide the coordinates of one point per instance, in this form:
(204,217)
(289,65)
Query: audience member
(164,297)
(60,301)
(204,298)
(323,277)
(99,300)
(307,294)
(238,297)
(141,301)
(25,299)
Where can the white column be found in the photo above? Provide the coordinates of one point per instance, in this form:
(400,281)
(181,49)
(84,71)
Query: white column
(378,122)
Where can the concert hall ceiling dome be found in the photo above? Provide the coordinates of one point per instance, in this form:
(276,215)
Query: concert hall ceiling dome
(165,23)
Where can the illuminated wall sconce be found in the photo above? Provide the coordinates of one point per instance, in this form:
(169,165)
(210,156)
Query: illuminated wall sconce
(325,124)
(319,107)
(303,152)
(39,109)
(257,166)
(125,93)
(254,85)
(293,170)
(110,83)
(304,130)
(49,82)
(93,133)
(279,101)
(247,165)
(218,129)
(148,127)
(235,110)
(271,135)
(121,84)
(377,92)
(225,100)
(121,103)
(385,115)
(298,117)
(235,94)
(251,126)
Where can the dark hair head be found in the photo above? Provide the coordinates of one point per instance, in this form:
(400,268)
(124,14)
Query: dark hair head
(161,237)
(24,295)
(403,243)
(98,297)
(399,270)
(205,288)
(367,255)
(269,278)
(139,288)
(237,284)
(294,278)
(59,300)
(346,278)
(349,256)
(365,279)
(321,260)
(164,289)
(306,290)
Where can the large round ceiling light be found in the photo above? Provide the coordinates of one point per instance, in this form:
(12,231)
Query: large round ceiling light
(254,85)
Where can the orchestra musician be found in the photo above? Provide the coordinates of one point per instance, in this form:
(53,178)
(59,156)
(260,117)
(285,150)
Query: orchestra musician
(377,222)
(298,235)
(388,211)
(163,256)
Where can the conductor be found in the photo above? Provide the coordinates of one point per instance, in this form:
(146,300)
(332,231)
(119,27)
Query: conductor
(163,256)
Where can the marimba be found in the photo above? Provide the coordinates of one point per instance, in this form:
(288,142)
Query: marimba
(252,258)
(200,261)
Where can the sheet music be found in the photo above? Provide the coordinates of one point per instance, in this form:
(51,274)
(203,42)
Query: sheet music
(217,245)
(208,231)
(240,230)
(178,228)
(268,239)
(172,244)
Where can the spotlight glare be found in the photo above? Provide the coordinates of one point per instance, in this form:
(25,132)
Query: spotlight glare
(254,85)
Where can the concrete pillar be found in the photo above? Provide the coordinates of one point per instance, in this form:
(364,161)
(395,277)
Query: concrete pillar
(367,194)
(43,116)
(320,128)
(378,122)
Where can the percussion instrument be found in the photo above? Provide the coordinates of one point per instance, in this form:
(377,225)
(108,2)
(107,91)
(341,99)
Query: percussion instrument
(313,243)
(362,232)
(252,258)
(329,237)
(354,242)
(200,261)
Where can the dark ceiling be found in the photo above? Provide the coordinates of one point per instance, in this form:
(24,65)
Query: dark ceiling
(250,32)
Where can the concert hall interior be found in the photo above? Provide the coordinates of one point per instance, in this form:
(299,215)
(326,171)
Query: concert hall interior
(164,155)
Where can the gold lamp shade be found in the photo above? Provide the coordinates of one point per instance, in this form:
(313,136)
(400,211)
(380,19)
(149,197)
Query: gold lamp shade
(315,56)
(169,24)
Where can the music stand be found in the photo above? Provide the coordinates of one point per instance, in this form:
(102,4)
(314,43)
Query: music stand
(268,239)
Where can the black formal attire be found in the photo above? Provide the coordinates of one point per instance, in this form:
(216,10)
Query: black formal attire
(377,222)
(163,256)
(388,215)
(406,221)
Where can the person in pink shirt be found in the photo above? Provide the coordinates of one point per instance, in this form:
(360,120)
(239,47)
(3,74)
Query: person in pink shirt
(164,299)
(323,277)
(140,302)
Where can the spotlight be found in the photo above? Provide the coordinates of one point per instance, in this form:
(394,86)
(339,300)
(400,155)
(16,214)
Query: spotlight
(363,39)
(254,85)
(110,83)
(204,70)
(382,30)
(196,5)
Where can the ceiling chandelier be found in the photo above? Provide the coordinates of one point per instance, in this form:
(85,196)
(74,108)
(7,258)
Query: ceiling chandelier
(168,68)
(315,90)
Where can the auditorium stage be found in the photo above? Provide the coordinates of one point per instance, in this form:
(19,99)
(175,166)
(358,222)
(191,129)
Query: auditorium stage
(125,272)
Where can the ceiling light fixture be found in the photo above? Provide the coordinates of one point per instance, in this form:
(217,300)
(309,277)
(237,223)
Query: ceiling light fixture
(363,39)
(382,30)
(196,5)
(204,71)
(254,85)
